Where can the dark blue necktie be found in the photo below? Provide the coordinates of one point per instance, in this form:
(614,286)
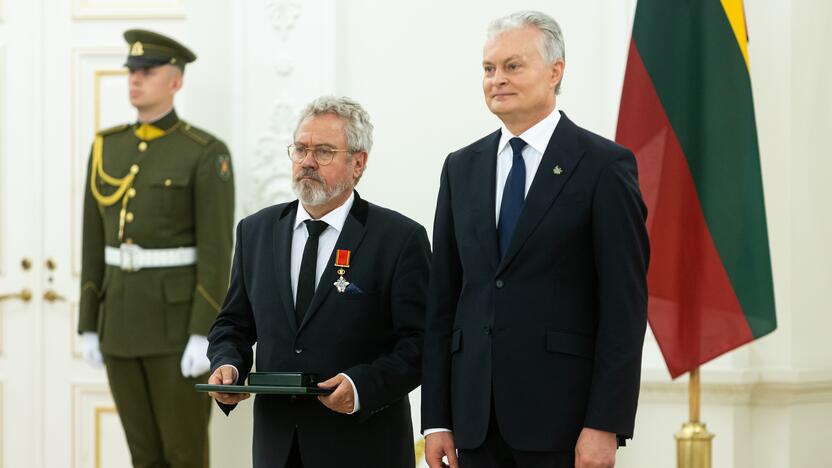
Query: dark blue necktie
(513,196)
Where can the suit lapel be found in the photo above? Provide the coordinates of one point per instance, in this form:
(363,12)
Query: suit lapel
(355,226)
(559,162)
(282,250)
(484,176)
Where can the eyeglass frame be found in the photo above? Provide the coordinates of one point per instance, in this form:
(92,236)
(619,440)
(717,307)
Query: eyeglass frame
(291,149)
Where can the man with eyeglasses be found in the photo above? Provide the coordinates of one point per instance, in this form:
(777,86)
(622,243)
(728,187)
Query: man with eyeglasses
(332,285)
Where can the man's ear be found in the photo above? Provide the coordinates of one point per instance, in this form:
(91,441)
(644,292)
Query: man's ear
(557,72)
(360,159)
(177,78)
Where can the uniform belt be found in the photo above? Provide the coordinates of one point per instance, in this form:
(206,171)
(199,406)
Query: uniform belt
(131,257)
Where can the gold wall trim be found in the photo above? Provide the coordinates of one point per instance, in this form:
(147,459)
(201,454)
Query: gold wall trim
(99,74)
(89,402)
(100,410)
(111,57)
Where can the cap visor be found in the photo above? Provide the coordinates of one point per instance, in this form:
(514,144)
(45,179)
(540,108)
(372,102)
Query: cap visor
(142,62)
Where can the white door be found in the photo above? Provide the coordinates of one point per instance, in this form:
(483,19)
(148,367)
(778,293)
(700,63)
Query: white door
(21,373)
(83,88)
(56,410)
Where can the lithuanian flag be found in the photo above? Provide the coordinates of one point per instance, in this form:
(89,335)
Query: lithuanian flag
(687,113)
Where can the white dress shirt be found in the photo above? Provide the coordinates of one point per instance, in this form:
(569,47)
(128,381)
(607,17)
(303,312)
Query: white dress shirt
(335,220)
(326,243)
(537,139)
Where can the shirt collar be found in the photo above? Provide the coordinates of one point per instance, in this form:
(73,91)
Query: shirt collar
(537,136)
(335,218)
(165,122)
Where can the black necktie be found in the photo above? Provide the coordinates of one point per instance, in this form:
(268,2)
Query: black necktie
(513,196)
(308,265)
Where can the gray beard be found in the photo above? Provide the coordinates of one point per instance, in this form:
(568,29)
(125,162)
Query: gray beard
(311,194)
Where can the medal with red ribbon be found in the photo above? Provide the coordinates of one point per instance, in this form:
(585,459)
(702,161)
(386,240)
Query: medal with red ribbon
(342,262)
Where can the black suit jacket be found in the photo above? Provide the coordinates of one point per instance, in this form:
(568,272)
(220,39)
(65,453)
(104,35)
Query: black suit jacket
(374,336)
(553,331)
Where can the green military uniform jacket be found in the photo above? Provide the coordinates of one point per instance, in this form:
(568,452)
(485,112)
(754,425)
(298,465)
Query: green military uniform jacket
(181,194)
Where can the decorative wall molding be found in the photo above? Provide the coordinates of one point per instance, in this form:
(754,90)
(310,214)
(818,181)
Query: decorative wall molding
(97,78)
(93,446)
(742,387)
(272,176)
(2,418)
(115,10)
(299,66)
(3,140)
(284,15)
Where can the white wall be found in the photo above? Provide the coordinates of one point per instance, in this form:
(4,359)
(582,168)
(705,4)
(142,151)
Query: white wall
(416,67)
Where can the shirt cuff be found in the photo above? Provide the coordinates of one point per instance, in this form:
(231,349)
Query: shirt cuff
(435,430)
(357,405)
(236,372)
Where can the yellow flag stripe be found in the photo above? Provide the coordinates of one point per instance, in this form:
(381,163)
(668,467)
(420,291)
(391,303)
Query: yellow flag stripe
(736,16)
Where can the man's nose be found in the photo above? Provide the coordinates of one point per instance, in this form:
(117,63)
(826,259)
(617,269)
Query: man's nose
(309,159)
(499,78)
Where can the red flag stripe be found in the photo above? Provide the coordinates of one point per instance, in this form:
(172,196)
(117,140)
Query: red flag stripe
(693,309)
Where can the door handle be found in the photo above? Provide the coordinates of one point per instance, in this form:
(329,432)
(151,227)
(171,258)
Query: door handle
(24,295)
(52,296)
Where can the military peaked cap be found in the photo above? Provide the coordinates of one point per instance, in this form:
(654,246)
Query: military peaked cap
(151,49)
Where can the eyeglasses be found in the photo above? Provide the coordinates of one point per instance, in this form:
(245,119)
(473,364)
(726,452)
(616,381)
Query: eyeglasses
(323,154)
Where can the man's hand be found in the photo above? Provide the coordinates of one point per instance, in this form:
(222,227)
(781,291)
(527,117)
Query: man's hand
(342,400)
(226,375)
(595,449)
(438,445)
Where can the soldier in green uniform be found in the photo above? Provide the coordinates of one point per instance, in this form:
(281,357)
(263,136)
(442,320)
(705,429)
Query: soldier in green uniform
(158,221)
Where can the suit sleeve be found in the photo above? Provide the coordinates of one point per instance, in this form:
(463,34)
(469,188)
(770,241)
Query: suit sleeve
(621,257)
(396,373)
(214,218)
(234,331)
(92,260)
(443,295)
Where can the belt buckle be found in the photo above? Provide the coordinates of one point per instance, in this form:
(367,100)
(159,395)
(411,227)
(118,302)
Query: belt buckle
(128,260)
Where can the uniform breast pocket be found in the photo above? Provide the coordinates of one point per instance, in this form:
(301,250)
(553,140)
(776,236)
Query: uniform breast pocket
(173,193)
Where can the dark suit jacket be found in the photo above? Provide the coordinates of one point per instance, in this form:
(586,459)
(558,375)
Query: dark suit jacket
(553,331)
(374,335)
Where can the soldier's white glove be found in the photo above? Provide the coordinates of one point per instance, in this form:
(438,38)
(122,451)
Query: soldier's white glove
(90,350)
(195,358)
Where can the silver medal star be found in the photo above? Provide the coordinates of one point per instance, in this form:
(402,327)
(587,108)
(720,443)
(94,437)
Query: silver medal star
(341,284)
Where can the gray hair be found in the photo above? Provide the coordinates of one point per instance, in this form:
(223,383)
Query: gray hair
(551,40)
(357,124)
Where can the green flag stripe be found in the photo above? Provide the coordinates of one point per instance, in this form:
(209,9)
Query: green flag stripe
(693,59)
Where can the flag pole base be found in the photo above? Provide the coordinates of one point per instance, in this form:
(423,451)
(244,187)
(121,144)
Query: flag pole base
(693,446)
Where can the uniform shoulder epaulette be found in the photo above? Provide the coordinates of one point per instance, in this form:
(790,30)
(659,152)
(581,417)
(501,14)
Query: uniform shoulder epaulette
(200,136)
(112,130)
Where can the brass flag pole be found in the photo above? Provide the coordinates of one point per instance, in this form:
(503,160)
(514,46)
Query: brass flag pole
(693,441)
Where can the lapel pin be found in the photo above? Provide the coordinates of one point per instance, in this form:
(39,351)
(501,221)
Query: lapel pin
(557,170)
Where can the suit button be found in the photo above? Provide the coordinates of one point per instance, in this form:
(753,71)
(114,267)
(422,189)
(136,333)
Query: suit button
(499,284)
(486,329)
(298,350)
